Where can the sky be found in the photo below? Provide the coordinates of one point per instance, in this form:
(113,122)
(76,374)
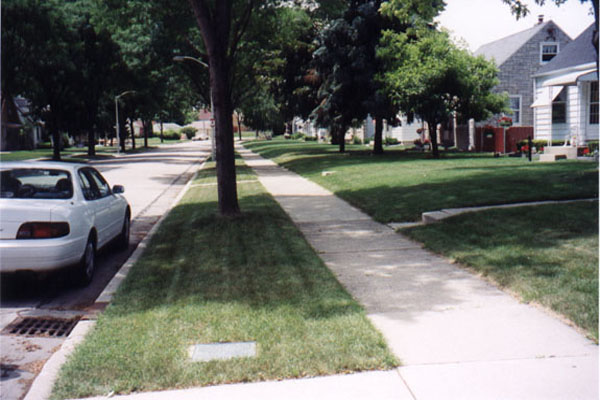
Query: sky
(482,21)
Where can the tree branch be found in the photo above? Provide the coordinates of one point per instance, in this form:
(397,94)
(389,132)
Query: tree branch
(241,26)
(205,21)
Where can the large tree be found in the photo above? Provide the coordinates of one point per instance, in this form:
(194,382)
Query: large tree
(428,76)
(347,63)
(41,60)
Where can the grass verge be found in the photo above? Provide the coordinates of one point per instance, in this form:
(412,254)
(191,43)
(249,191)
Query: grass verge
(400,185)
(546,254)
(206,279)
(78,153)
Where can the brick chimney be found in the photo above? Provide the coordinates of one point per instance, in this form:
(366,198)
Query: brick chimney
(540,19)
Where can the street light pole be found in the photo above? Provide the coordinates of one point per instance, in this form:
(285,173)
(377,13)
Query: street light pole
(117,118)
(212,113)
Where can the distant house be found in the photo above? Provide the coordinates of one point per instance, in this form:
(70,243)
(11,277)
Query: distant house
(518,57)
(566,105)
(18,129)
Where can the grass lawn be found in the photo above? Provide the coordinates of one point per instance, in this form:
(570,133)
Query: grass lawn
(80,152)
(400,185)
(547,254)
(206,279)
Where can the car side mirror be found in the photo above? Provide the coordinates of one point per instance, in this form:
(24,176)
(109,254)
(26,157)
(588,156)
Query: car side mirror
(118,189)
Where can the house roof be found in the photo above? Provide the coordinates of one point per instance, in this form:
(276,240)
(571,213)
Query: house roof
(501,50)
(578,52)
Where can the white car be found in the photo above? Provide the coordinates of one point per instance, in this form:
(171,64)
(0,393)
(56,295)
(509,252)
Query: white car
(57,214)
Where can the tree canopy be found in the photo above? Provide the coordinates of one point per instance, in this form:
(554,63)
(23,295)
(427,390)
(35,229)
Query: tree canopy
(428,76)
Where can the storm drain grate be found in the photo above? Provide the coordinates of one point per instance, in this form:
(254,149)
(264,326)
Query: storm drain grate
(41,327)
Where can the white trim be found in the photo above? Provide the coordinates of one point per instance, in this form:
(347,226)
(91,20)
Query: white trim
(548,95)
(579,67)
(520,121)
(569,79)
(542,44)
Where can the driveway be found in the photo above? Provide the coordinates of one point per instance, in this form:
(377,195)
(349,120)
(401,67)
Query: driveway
(152,181)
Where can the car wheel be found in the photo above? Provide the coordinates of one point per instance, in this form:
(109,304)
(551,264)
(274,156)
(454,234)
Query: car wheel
(123,240)
(85,270)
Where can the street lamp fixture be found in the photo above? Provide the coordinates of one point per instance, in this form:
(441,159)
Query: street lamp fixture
(212,114)
(117,117)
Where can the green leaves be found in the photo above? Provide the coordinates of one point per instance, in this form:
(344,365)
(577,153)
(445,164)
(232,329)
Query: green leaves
(428,75)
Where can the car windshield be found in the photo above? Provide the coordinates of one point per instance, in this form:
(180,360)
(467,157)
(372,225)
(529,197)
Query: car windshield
(36,183)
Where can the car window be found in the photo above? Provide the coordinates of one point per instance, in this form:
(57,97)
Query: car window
(87,187)
(101,184)
(36,183)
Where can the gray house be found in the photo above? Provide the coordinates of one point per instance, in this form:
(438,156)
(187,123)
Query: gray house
(519,57)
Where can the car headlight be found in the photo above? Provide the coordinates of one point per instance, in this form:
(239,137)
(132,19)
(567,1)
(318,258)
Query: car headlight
(43,230)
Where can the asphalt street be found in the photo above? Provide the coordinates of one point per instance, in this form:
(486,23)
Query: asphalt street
(152,180)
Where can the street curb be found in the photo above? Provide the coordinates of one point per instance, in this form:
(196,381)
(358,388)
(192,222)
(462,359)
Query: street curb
(41,388)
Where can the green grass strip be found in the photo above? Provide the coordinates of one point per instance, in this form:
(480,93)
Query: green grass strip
(547,254)
(400,185)
(207,279)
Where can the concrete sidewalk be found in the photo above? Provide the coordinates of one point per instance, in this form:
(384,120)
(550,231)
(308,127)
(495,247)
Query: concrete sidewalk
(457,336)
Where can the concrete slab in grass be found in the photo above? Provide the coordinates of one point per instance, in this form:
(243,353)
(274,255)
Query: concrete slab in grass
(221,351)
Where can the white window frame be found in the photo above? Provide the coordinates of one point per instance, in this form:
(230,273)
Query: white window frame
(520,97)
(557,44)
(564,103)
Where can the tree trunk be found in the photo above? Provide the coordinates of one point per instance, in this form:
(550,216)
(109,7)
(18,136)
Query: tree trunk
(147,127)
(341,134)
(435,151)
(215,28)
(162,138)
(122,135)
(223,112)
(239,125)
(132,134)
(595,35)
(91,142)
(378,145)
(56,143)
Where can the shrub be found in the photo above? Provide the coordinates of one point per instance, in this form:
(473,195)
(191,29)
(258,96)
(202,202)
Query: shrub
(593,145)
(310,138)
(298,136)
(171,135)
(189,131)
(356,140)
(391,141)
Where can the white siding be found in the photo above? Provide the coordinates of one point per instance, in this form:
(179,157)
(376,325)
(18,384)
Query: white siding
(577,121)
(542,115)
(405,133)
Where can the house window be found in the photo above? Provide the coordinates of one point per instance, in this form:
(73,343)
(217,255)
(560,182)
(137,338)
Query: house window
(548,51)
(515,106)
(559,108)
(594,104)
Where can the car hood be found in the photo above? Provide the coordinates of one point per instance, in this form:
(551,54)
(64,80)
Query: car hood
(14,212)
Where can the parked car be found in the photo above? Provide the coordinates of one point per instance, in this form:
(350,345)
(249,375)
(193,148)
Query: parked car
(55,215)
